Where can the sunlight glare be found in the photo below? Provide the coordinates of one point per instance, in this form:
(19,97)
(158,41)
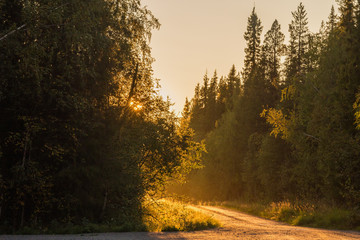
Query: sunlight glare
(138,107)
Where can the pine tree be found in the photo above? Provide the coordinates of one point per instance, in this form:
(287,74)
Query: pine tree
(212,103)
(204,92)
(331,23)
(299,31)
(274,49)
(347,15)
(252,51)
(233,85)
(221,96)
(185,114)
(196,111)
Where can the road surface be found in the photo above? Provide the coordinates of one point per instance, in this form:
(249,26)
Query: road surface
(235,225)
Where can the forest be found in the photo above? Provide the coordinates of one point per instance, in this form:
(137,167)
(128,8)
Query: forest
(86,137)
(285,127)
(84,134)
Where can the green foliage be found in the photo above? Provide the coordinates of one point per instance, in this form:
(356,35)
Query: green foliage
(83,132)
(210,101)
(293,134)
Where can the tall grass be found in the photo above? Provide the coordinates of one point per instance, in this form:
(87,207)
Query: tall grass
(166,215)
(158,215)
(319,216)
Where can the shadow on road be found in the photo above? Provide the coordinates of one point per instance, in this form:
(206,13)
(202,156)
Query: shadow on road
(100,236)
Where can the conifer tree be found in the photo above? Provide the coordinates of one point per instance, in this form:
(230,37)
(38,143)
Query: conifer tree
(212,104)
(204,92)
(347,15)
(299,31)
(221,96)
(196,112)
(185,114)
(252,50)
(274,48)
(331,23)
(233,85)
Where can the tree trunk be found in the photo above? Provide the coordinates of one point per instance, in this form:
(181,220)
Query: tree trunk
(22,216)
(104,205)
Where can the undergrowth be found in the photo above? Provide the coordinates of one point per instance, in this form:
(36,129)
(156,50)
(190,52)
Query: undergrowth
(308,215)
(165,215)
(158,215)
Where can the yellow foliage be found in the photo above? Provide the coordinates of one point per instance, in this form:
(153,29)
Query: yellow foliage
(356,107)
(278,120)
(288,93)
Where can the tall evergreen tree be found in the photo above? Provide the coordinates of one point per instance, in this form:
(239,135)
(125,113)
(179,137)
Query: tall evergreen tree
(186,110)
(331,23)
(221,96)
(347,15)
(299,31)
(252,50)
(233,86)
(212,113)
(274,49)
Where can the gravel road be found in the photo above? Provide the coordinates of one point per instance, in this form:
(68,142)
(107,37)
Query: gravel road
(235,226)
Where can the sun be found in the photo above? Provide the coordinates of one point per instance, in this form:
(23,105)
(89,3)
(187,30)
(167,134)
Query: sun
(136,106)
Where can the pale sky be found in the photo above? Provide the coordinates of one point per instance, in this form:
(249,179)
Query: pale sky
(203,35)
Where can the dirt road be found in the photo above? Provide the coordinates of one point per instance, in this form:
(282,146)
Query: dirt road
(235,226)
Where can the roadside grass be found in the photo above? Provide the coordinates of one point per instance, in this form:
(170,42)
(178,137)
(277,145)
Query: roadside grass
(158,215)
(70,228)
(85,226)
(307,215)
(165,215)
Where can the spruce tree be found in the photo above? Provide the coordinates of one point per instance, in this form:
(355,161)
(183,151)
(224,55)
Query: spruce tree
(212,113)
(221,96)
(252,50)
(347,15)
(233,85)
(331,23)
(274,49)
(299,31)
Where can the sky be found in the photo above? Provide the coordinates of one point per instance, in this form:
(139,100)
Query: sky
(199,36)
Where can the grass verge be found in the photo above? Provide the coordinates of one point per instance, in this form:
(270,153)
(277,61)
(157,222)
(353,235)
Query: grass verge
(166,215)
(158,215)
(301,214)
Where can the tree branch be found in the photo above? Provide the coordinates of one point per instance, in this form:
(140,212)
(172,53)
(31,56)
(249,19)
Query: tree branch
(13,31)
(24,25)
(311,136)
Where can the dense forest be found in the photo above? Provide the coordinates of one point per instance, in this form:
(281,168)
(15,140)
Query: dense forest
(285,127)
(84,134)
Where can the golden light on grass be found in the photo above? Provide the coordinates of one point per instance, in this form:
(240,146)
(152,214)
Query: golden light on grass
(166,215)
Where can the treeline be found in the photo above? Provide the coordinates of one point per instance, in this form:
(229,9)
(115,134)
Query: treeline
(290,130)
(84,135)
